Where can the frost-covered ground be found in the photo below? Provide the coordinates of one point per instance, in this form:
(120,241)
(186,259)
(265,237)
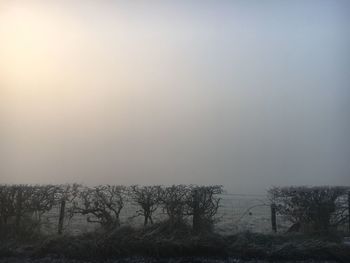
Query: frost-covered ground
(149,260)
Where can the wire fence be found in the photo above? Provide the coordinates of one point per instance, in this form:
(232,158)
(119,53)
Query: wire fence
(236,213)
(242,213)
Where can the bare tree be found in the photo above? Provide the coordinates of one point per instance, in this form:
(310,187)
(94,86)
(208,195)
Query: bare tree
(202,205)
(67,194)
(22,206)
(41,200)
(7,203)
(148,199)
(102,204)
(174,200)
(311,208)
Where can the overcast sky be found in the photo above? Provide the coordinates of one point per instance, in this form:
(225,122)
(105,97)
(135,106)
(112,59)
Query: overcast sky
(247,94)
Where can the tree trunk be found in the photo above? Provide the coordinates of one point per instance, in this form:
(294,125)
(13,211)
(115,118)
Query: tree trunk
(196,223)
(61,217)
(349,209)
(18,209)
(146,220)
(273,218)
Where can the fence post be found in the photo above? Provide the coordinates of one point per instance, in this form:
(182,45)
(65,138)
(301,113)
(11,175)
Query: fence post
(273,218)
(61,216)
(196,224)
(349,210)
(19,201)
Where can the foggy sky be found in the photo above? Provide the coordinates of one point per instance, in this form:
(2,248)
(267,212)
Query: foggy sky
(247,94)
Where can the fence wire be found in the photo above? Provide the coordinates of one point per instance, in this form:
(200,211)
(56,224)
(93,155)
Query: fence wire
(236,213)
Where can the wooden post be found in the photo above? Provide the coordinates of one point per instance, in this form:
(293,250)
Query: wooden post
(18,208)
(349,210)
(273,218)
(61,217)
(196,220)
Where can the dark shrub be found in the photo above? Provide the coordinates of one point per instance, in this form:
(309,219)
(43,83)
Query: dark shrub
(314,209)
(202,205)
(148,199)
(102,204)
(174,200)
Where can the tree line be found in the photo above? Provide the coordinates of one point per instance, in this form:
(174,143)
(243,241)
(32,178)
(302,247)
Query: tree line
(20,204)
(310,209)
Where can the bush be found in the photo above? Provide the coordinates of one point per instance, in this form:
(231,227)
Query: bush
(202,205)
(312,209)
(22,207)
(102,204)
(148,199)
(199,202)
(174,200)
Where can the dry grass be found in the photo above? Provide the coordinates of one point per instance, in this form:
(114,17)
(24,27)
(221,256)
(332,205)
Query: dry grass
(168,241)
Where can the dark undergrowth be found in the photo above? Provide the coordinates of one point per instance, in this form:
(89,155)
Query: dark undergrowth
(165,240)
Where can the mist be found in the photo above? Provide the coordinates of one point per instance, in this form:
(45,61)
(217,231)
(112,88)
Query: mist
(246,94)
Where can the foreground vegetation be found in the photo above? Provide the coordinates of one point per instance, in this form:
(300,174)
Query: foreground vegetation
(164,240)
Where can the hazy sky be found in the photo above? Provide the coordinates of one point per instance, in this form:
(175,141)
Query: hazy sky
(247,94)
